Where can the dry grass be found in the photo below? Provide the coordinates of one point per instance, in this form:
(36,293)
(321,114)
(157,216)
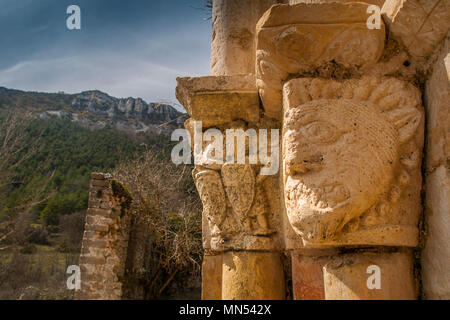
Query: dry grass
(167,248)
(38,276)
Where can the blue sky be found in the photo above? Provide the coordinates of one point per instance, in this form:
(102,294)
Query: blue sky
(125,47)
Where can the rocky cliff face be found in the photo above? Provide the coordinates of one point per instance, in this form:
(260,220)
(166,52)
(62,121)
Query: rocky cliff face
(96,109)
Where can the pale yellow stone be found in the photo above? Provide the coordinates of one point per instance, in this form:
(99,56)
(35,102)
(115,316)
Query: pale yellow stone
(233,35)
(298,39)
(236,209)
(419,24)
(437,99)
(252,276)
(218,100)
(212,277)
(436,254)
(347,277)
(352,161)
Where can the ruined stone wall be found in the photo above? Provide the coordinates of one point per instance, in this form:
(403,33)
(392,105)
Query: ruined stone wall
(105,240)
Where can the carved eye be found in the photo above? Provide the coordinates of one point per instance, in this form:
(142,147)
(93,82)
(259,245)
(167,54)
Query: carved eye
(320,132)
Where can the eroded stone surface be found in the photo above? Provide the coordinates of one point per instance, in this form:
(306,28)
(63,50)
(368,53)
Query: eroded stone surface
(252,276)
(241,217)
(297,39)
(105,241)
(212,277)
(436,254)
(419,24)
(437,99)
(346,277)
(218,100)
(233,36)
(352,160)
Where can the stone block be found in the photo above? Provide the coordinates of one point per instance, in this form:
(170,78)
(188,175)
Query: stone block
(354,277)
(420,24)
(298,39)
(218,100)
(307,277)
(233,37)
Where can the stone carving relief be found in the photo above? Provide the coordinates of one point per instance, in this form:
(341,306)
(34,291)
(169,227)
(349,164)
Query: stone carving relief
(352,160)
(236,207)
(297,39)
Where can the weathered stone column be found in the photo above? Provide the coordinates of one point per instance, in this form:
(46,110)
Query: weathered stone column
(233,38)
(240,210)
(352,141)
(251,275)
(422,27)
(436,254)
(232,53)
(212,277)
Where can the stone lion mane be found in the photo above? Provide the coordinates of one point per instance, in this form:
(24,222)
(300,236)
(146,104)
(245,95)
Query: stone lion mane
(398,102)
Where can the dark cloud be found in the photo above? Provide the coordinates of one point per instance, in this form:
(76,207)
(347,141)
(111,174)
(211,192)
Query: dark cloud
(126,48)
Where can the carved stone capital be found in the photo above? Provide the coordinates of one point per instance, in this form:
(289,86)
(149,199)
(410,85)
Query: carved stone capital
(352,153)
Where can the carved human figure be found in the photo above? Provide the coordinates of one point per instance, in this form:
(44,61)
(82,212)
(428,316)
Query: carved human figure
(341,151)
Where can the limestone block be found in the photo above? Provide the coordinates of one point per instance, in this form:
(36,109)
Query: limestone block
(252,276)
(349,277)
(436,254)
(352,154)
(437,100)
(212,277)
(419,24)
(218,100)
(233,36)
(298,39)
(307,277)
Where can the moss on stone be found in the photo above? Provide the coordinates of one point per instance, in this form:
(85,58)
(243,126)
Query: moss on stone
(121,193)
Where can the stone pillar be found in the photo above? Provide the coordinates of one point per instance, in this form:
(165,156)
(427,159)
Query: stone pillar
(436,254)
(337,193)
(105,240)
(232,53)
(240,209)
(233,38)
(249,275)
(212,277)
(349,104)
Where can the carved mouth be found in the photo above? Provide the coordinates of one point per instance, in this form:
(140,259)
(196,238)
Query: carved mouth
(329,196)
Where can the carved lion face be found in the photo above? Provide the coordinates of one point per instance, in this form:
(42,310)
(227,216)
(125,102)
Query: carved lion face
(339,157)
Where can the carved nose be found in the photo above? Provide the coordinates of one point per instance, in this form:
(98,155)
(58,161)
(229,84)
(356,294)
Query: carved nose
(305,163)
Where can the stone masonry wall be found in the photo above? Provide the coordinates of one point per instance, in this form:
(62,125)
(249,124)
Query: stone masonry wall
(105,240)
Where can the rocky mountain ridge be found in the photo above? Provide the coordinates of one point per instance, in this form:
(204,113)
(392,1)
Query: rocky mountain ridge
(96,109)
